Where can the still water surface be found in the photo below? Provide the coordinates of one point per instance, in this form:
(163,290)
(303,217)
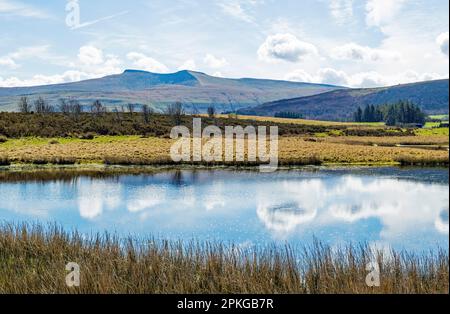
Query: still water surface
(385,207)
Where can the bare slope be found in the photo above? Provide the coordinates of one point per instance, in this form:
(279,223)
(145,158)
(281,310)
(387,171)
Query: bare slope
(432,96)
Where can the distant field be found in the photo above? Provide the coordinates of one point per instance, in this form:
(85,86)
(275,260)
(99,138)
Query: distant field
(442,117)
(295,150)
(304,121)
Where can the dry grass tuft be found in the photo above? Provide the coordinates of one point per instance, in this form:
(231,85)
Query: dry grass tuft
(33,259)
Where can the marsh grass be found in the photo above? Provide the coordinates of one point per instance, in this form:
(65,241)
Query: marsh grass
(33,259)
(134,150)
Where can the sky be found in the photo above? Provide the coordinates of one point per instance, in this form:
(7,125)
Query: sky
(355,43)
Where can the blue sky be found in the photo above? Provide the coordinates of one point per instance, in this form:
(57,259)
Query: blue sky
(359,43)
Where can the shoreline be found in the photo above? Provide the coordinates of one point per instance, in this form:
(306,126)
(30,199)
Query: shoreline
(217,166)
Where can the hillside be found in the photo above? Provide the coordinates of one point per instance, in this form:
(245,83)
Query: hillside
(431,96)
(195,89)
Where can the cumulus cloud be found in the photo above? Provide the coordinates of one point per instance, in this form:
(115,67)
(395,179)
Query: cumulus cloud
(146,63)
(39,79)
(300,75)
(442,41)
(285,47)
(188,65)
(91,63)
(11,60)
(333,77)
(90,55)
(214,62)
(357,52)
(362,79)
(381,12)
(341,10)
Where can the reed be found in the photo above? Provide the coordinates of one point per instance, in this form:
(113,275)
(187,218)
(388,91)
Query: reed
(33,259)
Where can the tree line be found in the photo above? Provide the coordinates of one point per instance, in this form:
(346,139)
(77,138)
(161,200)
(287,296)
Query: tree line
(400,113)
(288,115)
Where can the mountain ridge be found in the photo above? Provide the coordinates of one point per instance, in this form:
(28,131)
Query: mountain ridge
(196,89)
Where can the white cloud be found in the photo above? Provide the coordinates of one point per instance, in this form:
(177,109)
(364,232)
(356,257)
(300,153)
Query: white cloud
(92,63)
(16,8)
(357,52)
(188,65)
(300,76)
(442,41)
(341,10)
(39,79)
(285,47)
(8,62)
(381,12)
(90,55)
(146,63)
(333,77)
(237,8)
(214,62)
(361,79)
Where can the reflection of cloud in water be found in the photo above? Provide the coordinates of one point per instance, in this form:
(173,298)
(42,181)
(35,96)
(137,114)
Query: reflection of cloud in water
(214,197)
(441,222)
(96,196)
(400,206)
(284,218)
(146,198)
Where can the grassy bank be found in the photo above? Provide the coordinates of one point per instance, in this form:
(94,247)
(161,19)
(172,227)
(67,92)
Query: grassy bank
(33,259)
(298,150)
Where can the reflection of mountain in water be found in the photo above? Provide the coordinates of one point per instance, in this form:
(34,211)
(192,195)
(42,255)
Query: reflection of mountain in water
(284,218)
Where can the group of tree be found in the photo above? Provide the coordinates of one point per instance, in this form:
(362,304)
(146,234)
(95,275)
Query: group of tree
(289,115)
(400,113)
(369,114)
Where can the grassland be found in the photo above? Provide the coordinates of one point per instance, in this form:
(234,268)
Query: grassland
(292,150)
(135,142)
(33,259)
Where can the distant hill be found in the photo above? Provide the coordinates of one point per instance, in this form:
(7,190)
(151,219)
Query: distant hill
(197,90)
(431,96)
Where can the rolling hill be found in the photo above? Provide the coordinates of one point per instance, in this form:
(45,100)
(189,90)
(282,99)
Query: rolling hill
(196,90)
(431,96)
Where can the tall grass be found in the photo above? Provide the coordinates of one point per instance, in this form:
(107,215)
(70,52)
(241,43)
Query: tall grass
(33,259)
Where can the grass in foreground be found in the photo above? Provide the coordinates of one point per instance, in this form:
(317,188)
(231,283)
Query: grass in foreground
(33,259)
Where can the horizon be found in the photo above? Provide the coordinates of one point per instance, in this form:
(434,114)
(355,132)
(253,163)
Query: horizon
(227,78)
(352,43)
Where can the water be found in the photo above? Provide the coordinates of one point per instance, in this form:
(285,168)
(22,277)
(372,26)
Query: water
(385,207)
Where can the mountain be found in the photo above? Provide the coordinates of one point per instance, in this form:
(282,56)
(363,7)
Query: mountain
(431,96)
(196,90)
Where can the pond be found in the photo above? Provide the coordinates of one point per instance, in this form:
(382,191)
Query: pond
(384,207)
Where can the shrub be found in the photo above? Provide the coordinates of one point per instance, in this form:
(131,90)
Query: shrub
(3,139)
(4,161)
(87,136)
